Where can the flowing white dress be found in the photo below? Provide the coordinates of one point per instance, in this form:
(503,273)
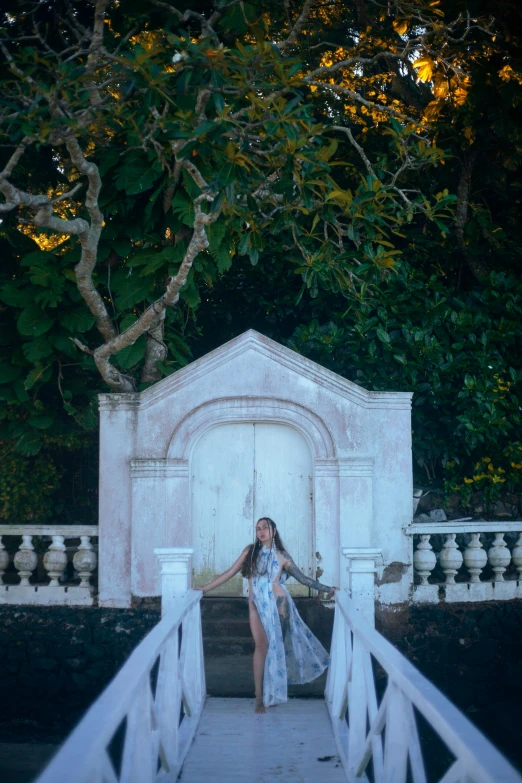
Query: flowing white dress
(298,657)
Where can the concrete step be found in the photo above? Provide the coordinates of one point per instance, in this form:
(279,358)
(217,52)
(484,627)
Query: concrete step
(217,629)
(228,646)
(224,609)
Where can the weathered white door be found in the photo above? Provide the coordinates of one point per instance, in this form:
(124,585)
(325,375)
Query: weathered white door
(239,473)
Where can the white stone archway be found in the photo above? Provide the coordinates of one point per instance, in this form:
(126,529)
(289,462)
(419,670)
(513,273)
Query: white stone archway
(360,443)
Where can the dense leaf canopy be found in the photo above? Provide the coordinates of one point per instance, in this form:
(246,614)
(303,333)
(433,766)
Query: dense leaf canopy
(356,172)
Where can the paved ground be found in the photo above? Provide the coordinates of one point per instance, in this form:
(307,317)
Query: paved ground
(293,743)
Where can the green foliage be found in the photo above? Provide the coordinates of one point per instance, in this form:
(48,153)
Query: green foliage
(330,260)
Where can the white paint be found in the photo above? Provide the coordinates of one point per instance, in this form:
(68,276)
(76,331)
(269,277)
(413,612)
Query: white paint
(240,472)
(361,568)
(474,557)
(286,744)
(175,575)
(233,744)
(153,730)
(359,444)
(351,686)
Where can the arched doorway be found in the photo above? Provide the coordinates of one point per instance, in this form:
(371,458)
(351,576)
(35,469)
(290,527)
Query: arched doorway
(240,471)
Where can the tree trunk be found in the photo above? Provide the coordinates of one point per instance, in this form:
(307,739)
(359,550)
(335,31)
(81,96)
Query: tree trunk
(156,351)
(477,267)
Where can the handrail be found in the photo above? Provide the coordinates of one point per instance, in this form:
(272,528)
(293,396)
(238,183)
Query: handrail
(351,690)
(154,732)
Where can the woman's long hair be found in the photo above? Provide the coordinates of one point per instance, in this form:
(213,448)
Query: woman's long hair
(250,564)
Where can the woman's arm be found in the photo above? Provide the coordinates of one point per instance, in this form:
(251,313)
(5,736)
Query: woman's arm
(226,575)
(294,571)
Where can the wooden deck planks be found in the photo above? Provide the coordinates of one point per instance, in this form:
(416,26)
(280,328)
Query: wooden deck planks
(233,744)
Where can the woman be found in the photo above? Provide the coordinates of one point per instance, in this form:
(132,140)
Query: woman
(286,651)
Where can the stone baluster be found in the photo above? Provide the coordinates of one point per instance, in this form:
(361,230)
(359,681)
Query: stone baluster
(424,559)
(516,554)
(450,558)
(25,560)
(475,558)
(499,557)
(85,560)
(55,560)
(4,560)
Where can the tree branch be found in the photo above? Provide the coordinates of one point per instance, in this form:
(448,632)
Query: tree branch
(149,318)
(298,26)
(358,147)
(90,240)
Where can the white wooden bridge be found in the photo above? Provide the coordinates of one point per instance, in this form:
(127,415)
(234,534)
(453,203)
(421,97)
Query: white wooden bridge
(381,720)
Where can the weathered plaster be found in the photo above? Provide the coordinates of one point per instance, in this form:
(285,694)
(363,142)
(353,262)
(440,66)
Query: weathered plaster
(360,442)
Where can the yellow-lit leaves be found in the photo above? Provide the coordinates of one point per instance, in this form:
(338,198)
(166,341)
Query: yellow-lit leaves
(341,196)
(400,26)
(236,157)
(425,67)
(440,85)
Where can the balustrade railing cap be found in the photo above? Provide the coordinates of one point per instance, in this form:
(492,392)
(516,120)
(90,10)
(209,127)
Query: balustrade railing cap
(363,552)
(174,552)
(473,526)
(68,531)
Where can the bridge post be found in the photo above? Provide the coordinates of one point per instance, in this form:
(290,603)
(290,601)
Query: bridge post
(175,574)
(361,578)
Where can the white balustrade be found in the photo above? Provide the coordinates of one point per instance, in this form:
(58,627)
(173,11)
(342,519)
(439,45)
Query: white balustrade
(155,701)
(385,732)
(450,558)
(516,556)
(474,558)
(424,559)
(55,560)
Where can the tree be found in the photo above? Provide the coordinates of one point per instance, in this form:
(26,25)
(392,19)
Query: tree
(146,149)
(447,324)
(224,134)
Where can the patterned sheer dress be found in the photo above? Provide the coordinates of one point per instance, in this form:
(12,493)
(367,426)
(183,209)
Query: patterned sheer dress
(294,655)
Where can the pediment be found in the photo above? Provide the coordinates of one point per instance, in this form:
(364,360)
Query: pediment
(252,341)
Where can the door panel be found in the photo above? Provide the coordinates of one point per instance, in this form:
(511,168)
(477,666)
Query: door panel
(283,491)
(222,468)
(239,473)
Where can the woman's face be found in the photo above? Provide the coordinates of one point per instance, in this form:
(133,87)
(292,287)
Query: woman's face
(264,531)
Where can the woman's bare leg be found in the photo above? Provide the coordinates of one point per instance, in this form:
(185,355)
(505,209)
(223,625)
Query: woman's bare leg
(261,646)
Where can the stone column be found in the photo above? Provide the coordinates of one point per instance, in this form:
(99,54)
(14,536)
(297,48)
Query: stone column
(118,416)
(390,419)
(361,569)
(175,574)
(178,522)
(326,515)
(355,505)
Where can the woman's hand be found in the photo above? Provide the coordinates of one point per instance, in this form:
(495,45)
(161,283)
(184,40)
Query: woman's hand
(331,593)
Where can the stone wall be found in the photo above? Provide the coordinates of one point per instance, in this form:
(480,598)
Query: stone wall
(473,653)
(56,660)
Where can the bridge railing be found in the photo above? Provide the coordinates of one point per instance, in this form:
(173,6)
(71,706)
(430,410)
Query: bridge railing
(140,729)
(377,699)
(467,561)
(40,553)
